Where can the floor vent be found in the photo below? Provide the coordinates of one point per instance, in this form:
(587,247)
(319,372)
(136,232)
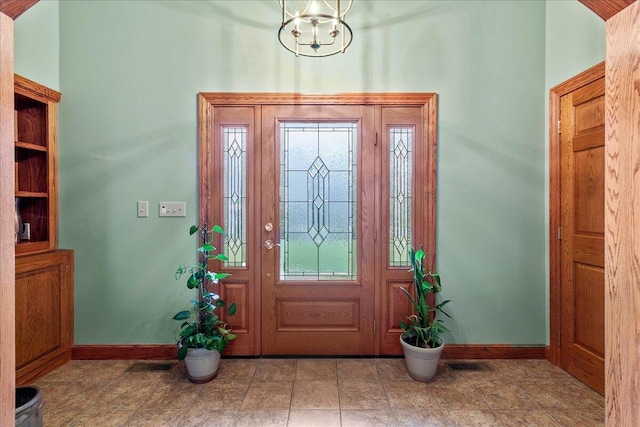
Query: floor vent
(468,366)
(146,367)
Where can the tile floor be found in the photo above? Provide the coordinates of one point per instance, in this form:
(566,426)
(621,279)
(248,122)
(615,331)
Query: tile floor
(318,392)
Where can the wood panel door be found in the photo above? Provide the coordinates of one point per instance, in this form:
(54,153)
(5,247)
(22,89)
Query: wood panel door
(582,233)
(318,221)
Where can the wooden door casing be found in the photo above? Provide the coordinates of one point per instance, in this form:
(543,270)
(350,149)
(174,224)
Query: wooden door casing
(582,233)
(382,339)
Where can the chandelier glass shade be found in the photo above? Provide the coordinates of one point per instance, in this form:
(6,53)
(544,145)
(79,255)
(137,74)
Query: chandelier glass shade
(316,27)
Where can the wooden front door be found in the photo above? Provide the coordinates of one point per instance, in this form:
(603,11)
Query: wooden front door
(317,222)
(582,233)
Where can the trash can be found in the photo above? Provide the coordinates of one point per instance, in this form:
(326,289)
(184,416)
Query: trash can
(29,404)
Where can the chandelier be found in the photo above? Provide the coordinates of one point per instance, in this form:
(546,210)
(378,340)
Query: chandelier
(315,28)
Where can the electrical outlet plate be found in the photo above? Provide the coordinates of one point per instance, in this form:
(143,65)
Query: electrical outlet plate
(143,209)
(172,209)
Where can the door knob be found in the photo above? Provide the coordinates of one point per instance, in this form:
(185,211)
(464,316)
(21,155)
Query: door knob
(268,226)
(269,244)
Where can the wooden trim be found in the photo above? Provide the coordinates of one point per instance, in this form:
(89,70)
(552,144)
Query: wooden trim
(7,209)
(605,9)
(15,8)
(231,98)
(35,90)
(163,352)
(124,352)
(594,73)
(622,210)
(491,351)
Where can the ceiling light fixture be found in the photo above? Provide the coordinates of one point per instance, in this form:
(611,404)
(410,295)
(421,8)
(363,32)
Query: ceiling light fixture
(317,29)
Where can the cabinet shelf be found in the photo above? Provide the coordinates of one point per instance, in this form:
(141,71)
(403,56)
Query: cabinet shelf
(31,194)
(30,146)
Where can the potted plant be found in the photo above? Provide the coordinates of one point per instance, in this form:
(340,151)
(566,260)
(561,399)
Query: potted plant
(202,340)
(420,339)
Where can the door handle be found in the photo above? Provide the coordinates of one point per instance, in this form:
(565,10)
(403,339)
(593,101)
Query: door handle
(269,244)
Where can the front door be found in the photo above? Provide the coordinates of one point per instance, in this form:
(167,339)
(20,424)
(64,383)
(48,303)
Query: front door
(582,233)
(318,219)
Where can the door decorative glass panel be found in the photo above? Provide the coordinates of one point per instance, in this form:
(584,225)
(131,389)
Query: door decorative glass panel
(235,185)
(400,173)
(318,181)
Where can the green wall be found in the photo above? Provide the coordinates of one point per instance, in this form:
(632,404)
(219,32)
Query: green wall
(575,41)
(129,74)
(37,45)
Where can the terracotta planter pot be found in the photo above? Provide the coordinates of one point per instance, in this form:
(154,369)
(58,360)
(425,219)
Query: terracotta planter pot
(202,364)
(422,363)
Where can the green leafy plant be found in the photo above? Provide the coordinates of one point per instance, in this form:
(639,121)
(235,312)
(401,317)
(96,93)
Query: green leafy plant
(423,328)
(207,330)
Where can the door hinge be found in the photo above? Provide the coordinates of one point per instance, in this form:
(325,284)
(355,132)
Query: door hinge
(559,233)
(376,140)
(375,234)
(559,129)
(374,328)
(559,339)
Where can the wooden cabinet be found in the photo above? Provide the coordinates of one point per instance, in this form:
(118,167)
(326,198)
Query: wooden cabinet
(44,274)
(44,313)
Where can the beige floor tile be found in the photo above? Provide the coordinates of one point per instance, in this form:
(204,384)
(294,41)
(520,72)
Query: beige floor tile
(275,370)
(409,395)
(315,394)
(206,417)
(58,417)
(101,417)
(89,370)
(126,395)
(316,369)
(232,392)
(473,418)
(456,395)
(392,369)
(360,369)
(559,394)
(367,418)
(173,395)
(74,395)
(314,418)
(524,418)
(156,418)
(528,369)
(425,417)
(327,392)
(501,395)
(362,394)
(578,417)
(268,395)
(237,369)
(263,418)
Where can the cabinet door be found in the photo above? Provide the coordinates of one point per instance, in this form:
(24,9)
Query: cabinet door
(44,313)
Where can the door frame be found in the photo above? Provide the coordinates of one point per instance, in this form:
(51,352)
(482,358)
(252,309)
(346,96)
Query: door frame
(425,230)
(555,296)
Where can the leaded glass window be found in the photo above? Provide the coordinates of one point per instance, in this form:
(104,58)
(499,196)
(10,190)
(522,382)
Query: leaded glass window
(235,196)
(318,183)
(400,174)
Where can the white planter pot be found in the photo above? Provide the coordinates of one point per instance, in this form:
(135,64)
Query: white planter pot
(202,364)
(422,363)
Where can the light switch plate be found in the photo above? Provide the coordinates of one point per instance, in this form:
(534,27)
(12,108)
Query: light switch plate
(143,209)
(172,209)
